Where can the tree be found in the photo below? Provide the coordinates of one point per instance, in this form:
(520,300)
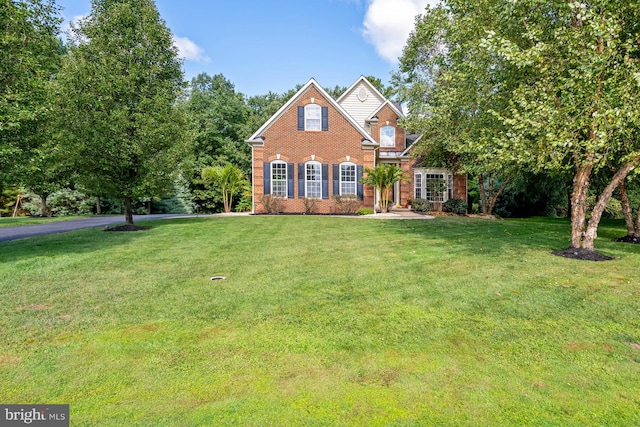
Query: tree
(217,119)
(580,109)
(229,178)
(30,56)
(535,84)
(452,86)
(382,178)
(119,87)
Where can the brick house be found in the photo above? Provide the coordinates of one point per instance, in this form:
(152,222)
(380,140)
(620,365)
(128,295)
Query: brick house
(318,147)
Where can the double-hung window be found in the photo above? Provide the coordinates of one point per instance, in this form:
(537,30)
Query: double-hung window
(313,180)
(387,136)
(348,183)
(279,179)
(312,117)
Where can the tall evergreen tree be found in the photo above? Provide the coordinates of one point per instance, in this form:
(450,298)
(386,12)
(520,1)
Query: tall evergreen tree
(119,88)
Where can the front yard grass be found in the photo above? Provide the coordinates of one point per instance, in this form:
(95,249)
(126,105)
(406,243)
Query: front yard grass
(323,321)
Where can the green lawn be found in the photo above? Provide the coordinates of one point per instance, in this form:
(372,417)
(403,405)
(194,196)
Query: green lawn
(323,321)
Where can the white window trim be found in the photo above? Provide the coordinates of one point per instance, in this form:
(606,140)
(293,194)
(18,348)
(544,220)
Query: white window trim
(386,142)
(308,108)
(355,182)
(279,162)
(437,171)
(306,181)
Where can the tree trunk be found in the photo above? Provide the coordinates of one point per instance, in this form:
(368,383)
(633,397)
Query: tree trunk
(579,204)
(598,209)
(43,204)
(493,198)
(225,198)
(483,195)
(98,208)
(128,211)
(627,210)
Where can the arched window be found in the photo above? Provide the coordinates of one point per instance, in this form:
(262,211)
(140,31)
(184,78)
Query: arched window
(348,183)
(279,179)
(387,136)
(313,180)
(312,117)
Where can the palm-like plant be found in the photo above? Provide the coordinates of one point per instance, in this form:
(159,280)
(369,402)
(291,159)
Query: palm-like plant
(229,178)
(383,177)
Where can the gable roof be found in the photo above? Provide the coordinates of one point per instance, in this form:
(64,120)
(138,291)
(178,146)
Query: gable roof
(362,79)
(391,105)
(257,139)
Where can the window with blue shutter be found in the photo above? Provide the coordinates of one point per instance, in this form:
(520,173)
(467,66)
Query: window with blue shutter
(360,186)
(300,118)
(290,185)
(266,178)
(301,192)
(325,118)
(325,181)
(336,180)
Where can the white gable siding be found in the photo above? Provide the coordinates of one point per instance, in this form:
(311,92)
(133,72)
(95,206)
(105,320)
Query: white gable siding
(360,110)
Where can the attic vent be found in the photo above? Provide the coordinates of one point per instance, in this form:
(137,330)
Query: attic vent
(362,94)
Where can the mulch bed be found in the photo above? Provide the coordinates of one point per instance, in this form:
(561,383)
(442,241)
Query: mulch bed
(582,254)
(628,239)
(127,228)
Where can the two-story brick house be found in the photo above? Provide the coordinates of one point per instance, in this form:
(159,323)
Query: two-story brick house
(318,147)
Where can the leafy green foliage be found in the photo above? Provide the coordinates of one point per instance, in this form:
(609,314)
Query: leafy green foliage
(382,178)
(120,84)
(365,211)
(229,179)
(420,205)
(456,206)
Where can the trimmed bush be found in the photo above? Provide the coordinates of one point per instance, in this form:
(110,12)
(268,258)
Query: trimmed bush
(421,205)
(456,206)
(365,211)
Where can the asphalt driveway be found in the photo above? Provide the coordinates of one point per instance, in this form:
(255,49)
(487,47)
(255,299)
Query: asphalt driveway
(23,231)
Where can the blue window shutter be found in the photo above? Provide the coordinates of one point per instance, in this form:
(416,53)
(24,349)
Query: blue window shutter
(325,118)
(360,186)
(267,178)
(300,118)
(325,181)
(290,189)
(336,180)
(301,177)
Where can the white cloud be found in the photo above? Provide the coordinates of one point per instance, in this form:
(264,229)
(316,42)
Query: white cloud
(388,23)
(189,50)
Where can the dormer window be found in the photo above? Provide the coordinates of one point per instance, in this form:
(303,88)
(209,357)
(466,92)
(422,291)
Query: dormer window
(387,136)
(313,117)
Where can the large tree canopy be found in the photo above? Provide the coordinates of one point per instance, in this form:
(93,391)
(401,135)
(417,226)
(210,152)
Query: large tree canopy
(30,55)
(547,85)
(119,88)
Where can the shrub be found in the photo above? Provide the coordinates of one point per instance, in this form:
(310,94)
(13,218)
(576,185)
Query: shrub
(273,205)
(347,205)
(310,204)
(421,205)
(365,211)
(456,206)
(244,204)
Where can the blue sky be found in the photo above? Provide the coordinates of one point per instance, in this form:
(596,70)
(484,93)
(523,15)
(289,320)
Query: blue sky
(273,45)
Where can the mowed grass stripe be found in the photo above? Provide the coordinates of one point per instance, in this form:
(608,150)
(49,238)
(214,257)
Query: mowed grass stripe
(323,321)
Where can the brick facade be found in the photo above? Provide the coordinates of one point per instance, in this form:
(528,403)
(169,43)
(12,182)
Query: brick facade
(345,140)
